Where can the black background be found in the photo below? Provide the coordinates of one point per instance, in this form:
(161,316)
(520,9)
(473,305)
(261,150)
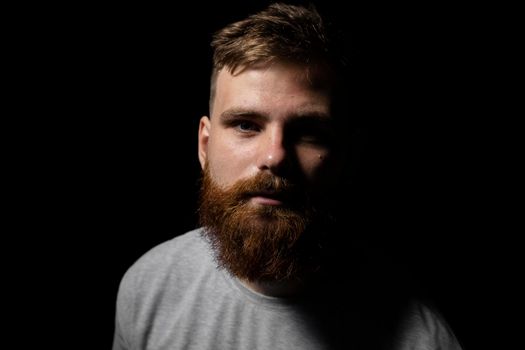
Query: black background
(112,164)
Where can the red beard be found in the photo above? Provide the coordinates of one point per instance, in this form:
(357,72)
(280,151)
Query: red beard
(261,242)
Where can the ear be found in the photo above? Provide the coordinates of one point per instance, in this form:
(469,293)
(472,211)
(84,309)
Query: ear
(204,136)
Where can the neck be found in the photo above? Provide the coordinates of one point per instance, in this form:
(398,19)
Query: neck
(282,289)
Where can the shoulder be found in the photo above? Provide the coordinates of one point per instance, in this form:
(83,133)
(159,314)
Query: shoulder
(423,327)
(170,259)
(157,280)
(169,267)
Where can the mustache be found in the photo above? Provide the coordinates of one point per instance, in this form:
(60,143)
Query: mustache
(266,184)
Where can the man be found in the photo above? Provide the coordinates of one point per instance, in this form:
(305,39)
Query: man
(270,268)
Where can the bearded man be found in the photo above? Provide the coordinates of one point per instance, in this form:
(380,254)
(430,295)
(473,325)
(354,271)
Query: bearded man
(259,272)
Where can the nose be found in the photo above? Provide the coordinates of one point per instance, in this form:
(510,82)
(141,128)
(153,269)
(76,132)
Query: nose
(273,153)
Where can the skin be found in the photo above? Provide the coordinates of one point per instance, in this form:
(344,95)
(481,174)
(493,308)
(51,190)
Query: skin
(274,118)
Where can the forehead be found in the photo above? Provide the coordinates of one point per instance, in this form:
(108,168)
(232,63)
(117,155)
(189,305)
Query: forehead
(315,74)
(276,86)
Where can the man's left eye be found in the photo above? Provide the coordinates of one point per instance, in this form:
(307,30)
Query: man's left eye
(316,136)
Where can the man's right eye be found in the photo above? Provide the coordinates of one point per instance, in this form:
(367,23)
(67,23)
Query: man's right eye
(246,126)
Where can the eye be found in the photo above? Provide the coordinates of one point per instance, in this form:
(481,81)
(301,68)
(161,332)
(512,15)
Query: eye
(312,131)
(319,136)
(246,126)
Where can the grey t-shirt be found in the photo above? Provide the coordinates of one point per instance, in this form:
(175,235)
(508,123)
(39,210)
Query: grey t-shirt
(175,297)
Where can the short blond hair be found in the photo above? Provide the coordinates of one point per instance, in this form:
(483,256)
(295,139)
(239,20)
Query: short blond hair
(280,32)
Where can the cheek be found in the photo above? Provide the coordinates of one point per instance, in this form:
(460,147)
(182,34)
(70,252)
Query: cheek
(320,167)
(227,163)
(312,160)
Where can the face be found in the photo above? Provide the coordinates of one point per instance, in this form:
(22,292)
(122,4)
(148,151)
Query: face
(270,160)
(272,119)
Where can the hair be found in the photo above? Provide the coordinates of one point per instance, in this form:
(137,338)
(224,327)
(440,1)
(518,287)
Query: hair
(280,32)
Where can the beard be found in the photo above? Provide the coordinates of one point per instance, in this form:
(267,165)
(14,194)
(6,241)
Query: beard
(262,242)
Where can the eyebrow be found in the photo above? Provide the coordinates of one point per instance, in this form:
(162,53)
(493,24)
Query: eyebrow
(235,113)
(310,116)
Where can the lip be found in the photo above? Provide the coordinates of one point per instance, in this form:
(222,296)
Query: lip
(266,200)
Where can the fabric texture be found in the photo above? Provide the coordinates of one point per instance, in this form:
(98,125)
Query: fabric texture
(175,297)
